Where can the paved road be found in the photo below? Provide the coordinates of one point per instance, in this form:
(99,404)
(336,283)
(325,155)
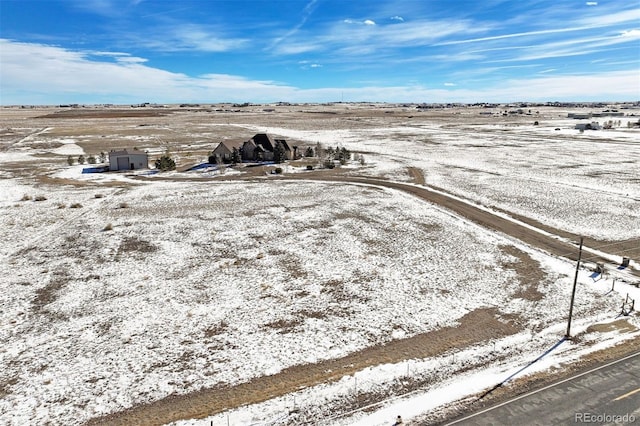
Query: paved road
(607,395)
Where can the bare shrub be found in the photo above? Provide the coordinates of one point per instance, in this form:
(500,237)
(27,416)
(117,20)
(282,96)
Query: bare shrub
(313,314)
(6,384)
(61,205)
(215,329)
(133,244)
(123,205)
(40,198)
(49,293)
(99,195)
(284,326)
(25,197)
(75,206)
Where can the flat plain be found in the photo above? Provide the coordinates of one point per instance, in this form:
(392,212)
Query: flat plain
(232,292)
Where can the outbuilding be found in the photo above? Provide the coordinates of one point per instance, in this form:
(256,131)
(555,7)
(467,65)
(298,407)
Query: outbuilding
(128,159)
(594,125)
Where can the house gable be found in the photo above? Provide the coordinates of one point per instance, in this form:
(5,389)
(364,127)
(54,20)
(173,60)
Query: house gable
(265,140)
(225,149)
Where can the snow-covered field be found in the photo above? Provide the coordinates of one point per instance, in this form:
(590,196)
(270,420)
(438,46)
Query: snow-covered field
(117,290)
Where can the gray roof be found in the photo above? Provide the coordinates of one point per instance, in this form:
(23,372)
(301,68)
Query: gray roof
(232,144)
(114,153)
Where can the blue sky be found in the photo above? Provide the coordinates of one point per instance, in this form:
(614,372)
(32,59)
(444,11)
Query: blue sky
(208,51)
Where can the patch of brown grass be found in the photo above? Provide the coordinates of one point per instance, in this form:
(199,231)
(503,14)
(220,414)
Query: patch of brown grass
(135,245)
(529,273)
(621,325)
(477,326)
(285,326)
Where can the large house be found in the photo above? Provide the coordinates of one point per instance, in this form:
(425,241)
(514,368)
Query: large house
(128,160)
(224,150)
(261,147)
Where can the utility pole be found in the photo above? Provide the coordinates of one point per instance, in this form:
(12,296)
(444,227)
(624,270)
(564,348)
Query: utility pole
(573,293)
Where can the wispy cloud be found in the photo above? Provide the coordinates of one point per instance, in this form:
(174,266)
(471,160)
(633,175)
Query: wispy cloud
(507,36)
(592,3)
(629,16)
(358,37)
(187,37)
(106,8)
(573,47)
(33,72)
(306,13)
(561,27)
(98,7)
(305,65)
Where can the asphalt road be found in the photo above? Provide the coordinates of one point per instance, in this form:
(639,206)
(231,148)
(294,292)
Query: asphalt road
(607,395)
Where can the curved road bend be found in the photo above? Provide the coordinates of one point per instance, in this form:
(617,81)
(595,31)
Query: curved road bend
(477,215)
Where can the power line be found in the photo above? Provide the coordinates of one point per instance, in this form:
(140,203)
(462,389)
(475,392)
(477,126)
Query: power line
(567,254)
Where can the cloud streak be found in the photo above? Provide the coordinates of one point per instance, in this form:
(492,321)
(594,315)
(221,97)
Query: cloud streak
(188,37)
(306,13)
(33,71)
(181,52)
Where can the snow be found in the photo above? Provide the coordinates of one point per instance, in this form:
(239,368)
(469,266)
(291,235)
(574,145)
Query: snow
(576,184)
(203,283)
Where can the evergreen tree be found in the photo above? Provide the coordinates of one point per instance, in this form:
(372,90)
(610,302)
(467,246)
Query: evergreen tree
(308,152)
(235,156)
(320,150)
(70,160)
(81,159)
(165,163)
(344,155)
(91,159)
(330,153)
(279,154)
(212,158)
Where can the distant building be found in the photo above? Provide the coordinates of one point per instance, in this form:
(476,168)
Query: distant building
(128,160)
(261,146)
(594,125)
(579,115)
(224,150)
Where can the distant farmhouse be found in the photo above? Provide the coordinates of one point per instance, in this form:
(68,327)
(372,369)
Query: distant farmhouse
(224,150)
(594,125)
(589,115)
(128,160)
(261,147)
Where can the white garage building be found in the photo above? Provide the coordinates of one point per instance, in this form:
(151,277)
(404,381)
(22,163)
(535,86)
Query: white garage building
(128,160)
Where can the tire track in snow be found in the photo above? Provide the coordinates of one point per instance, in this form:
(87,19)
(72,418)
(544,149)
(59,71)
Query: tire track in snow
(51,229)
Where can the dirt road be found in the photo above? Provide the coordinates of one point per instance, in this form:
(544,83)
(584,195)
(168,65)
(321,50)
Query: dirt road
(549,243)
(475,327)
